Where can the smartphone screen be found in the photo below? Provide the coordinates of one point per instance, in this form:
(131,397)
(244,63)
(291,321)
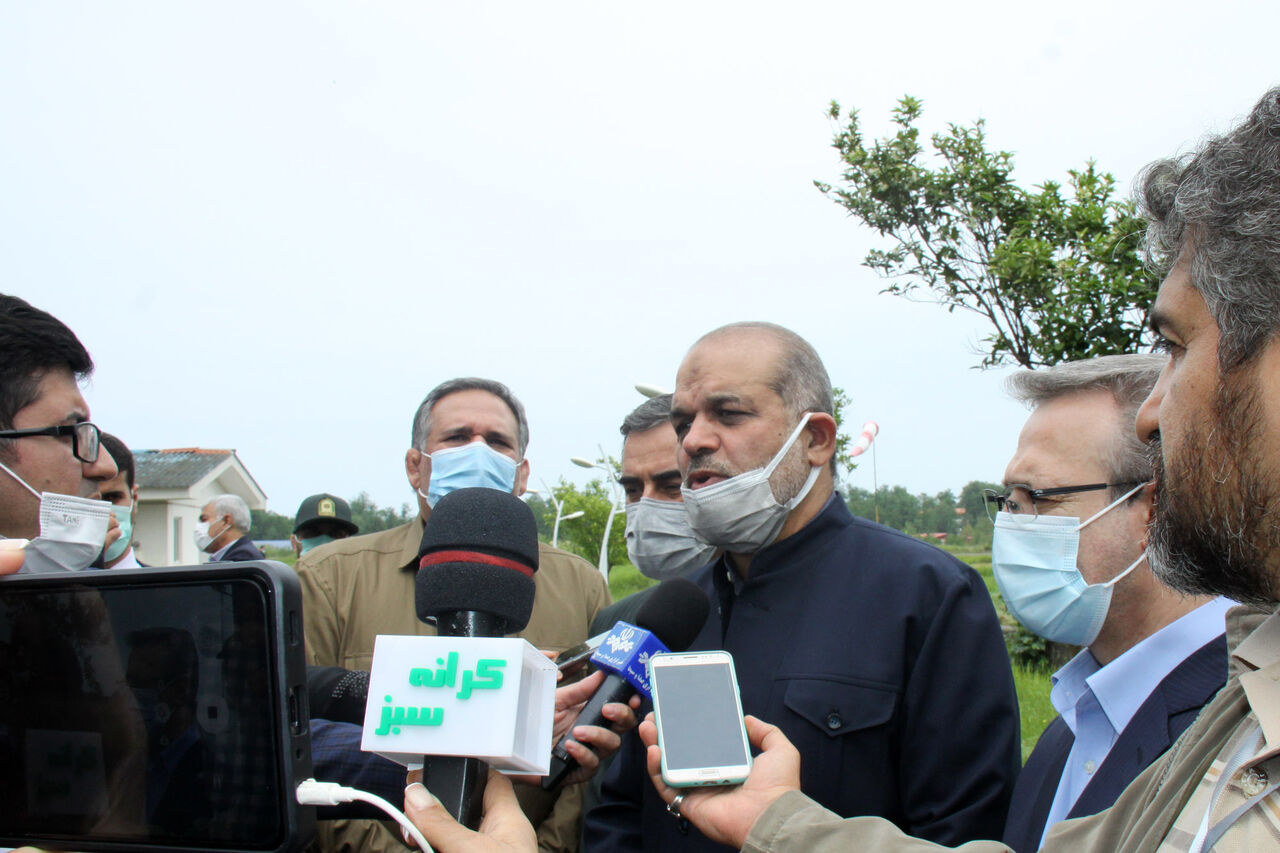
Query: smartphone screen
(140,714)
(699,718)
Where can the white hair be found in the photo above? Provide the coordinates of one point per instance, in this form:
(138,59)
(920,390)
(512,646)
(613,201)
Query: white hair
(234,506)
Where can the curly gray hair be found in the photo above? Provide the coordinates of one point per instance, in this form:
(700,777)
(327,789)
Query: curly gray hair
(1222,206)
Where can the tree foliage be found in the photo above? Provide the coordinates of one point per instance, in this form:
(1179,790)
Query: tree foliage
(265,524)
(840,400)
(367,515)
(371,518)
(1055,270)
(582,536)
(924,513)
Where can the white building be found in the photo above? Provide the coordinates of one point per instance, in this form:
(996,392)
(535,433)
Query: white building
(173,486)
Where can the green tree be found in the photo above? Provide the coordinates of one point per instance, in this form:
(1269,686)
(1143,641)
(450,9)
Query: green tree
(840,400)
(938,513)
(898,508)
(1058,275)
(371,518)
(582,536)
(971,498)
(265,524)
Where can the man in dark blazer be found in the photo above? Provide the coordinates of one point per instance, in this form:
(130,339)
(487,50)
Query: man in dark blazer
(1153,657)
(223,531)
(878,655)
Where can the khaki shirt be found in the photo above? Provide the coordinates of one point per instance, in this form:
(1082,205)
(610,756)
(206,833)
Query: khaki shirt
(356,588)
(1160,810)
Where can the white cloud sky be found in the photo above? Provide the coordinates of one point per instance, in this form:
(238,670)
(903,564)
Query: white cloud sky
(277,225)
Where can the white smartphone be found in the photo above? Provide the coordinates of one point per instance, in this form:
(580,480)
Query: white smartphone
(699,716)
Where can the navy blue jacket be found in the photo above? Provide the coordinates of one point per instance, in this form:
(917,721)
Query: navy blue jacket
(241,551)
(881,658)
(1155,726)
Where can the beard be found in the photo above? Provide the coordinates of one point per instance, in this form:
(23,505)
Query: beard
(790,475)
(1216,529)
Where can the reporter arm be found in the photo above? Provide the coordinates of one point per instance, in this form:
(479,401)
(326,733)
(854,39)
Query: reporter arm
(795,823)
(726,815)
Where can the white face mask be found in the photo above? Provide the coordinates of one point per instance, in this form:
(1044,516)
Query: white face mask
(72,531)
(660,541)
(203,539)
(740,514)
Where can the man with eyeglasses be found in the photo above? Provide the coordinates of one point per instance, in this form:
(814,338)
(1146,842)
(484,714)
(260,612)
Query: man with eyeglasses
(47,444)
(1069,556)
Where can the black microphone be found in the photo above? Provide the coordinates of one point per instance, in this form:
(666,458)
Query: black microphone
(475,579)
(674,614)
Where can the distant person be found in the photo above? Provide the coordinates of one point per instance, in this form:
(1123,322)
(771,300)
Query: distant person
(1081,484)
(321,519)
(659,540)
(223,531)
(122,493)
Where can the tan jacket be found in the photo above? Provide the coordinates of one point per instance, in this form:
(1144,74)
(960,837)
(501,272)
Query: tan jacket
(354,589)
(1141,818)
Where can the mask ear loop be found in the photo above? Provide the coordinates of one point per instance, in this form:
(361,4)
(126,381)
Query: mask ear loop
(21,481)
(1115,580)
(1115,503)
(786,445)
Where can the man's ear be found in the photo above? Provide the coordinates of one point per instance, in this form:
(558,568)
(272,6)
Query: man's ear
(1145,508)
(413,468)
(522,477)
(821,432)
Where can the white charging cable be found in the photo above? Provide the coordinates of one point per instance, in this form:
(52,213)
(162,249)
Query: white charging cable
(313,793)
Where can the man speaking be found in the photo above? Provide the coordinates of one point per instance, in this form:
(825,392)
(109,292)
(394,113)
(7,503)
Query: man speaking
(879,654)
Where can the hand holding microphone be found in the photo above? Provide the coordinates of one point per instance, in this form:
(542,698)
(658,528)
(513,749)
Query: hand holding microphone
(668,621)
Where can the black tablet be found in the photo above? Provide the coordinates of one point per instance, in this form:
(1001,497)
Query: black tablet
(157,709)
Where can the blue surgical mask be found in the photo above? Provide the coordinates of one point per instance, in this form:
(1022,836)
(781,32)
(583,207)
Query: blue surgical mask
(1034,561)
(124,515)
(314,542)
(473,465)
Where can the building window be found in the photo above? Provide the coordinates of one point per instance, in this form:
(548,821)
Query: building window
(177,540)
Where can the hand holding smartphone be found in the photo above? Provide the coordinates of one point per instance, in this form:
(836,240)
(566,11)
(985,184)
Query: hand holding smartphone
(699,717)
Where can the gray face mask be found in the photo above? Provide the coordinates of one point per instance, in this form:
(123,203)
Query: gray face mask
(740,514)
(660,542)
(72,531)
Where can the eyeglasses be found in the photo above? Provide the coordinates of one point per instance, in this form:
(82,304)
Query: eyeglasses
(84,438)
(1021,500)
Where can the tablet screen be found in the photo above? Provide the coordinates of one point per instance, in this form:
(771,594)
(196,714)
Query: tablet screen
(139,713)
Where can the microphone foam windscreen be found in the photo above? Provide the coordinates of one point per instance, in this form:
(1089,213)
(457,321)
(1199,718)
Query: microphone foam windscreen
(675,613)
(479,552)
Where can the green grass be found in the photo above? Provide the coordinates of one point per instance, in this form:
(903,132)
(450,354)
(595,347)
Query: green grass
(283,555)
(1033,704)
(625,579)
